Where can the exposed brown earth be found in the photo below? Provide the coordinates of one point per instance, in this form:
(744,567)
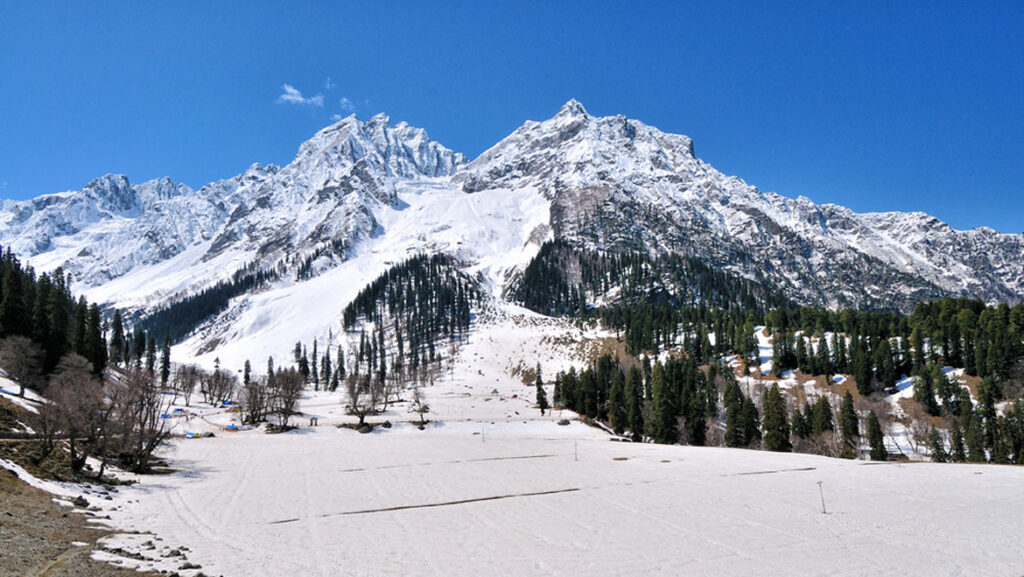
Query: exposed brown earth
(37,536)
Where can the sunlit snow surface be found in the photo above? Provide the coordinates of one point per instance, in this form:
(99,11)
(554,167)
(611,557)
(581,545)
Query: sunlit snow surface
(539,499)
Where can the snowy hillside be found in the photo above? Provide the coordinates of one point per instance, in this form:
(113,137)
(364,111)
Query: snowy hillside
(361,196)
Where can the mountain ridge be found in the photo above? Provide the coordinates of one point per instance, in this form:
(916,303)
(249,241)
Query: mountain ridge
(608,183)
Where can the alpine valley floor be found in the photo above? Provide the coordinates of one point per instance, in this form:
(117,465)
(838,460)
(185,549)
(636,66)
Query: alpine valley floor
(539,499)
(491,487)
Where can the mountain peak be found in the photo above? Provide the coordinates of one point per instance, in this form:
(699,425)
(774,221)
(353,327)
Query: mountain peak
(380,118)
(397,150)
(573,108)
(108,181)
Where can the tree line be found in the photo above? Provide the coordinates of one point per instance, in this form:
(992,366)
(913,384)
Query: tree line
(693,397)
(179,318)
(566,281)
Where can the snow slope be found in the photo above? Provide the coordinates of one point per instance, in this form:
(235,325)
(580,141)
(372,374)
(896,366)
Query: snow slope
(493,232)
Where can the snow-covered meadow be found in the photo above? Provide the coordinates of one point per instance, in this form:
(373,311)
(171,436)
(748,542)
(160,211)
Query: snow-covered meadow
(536,498)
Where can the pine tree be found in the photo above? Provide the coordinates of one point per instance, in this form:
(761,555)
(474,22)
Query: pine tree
(138,346)
(246,373)
(732,398)
(734,429)
(542,397)
(304,364)
(635,401)
(165,361)
(802,427)
(822,419)
(885,367)
(751,420)
(664,426)
(95,344)
(325,368)
(938,447)
(803,360)
(974,438)
(824,361)
(617,409)
(989,393)
(117,342)
(917,343)
(556,393)
(862,370)
(957,453)
(150,354)
(81,313)
(876,439)
(569,390)
(774,421)
(314,372)
(840,361)
(12,301)
(849,427)
(924,390)
(945,388)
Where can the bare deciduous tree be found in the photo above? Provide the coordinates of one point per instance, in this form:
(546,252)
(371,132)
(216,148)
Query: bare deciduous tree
(218,386)
(77,394)
(389,388)
(186,377)
(285,391)
(47,424)
(140,420)
(256,399)
(22,359)
(919,426)
(419,406)
(363,395)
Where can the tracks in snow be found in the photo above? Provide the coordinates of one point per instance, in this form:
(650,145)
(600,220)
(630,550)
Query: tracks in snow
(430,505)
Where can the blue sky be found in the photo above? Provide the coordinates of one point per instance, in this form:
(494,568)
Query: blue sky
(876,106)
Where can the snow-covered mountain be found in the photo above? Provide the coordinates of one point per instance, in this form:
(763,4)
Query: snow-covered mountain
(360,196)
(616,183)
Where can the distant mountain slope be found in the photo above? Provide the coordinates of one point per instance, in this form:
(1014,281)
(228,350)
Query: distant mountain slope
(361,196)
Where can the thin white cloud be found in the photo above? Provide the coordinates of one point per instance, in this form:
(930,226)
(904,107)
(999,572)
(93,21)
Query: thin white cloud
(292,95)
(336,117)
(347,105)
(329,84)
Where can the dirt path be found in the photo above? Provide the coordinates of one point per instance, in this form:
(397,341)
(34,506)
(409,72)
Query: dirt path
(53,566)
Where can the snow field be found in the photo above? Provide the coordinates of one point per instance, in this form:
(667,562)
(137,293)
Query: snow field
(539,499)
